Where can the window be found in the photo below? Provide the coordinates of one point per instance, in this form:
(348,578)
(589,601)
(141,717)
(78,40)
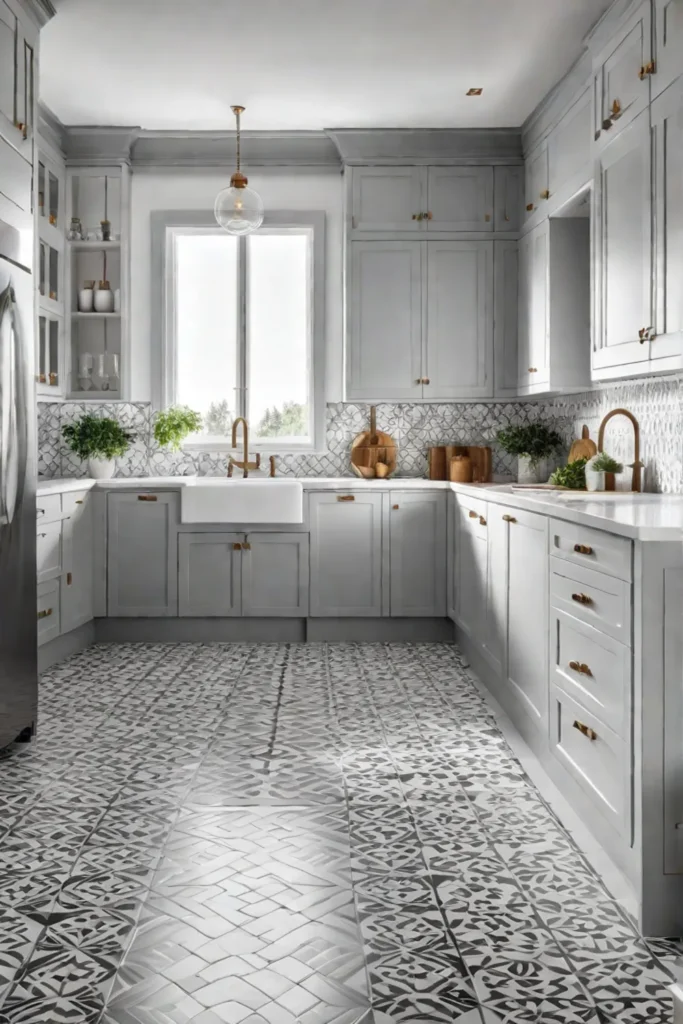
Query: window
(240,327)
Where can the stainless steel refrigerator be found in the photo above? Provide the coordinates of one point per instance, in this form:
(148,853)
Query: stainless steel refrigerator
(18,654)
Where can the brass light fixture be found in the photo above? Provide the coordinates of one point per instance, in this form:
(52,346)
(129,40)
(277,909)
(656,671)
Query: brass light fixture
(238,209)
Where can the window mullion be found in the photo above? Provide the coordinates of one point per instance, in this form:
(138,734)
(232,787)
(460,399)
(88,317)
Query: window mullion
(243,404)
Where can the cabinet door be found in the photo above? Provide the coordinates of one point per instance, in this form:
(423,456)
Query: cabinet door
(509,190)
(536,180)
(460,199)
(387,198)
(142,569)
(527,613)
(77,578)
(417,544)
(451,531)
(495,631)
(618,74)
(471,559)
(506,314)
(384,317)
(210,574)
(346,554)
(668,34)
(569,147)
(275,575)
(459,345)
(533,356)
(25,86)
(8,69)
(667,125)
(623,263)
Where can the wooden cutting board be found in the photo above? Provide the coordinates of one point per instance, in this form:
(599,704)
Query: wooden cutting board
(584,447)
(371,447)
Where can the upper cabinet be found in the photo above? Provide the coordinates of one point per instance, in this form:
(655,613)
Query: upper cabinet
(668,37)
(536,187)
(460,199)
(623,70)
(569,149)
(388,198)
(17,80)
(508,183)
(667,134)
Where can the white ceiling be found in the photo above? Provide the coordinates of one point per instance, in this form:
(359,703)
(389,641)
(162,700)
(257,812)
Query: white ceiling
(307,64)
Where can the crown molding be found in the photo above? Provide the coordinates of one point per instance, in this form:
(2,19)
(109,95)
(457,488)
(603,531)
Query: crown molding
(51,129)
(557,102)
(608,25)
(159,149)
(427,145)
(95,146)
(41,10)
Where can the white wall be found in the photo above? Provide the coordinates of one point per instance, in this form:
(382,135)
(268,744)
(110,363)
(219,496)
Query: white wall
(196,191)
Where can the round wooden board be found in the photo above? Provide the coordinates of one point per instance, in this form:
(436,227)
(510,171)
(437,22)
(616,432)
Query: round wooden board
(366,456)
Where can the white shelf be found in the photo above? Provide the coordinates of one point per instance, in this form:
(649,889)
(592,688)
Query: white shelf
(84,246)
(95,396)
(95,316)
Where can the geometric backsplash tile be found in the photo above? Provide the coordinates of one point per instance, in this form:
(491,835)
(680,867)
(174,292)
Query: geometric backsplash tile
(656,403)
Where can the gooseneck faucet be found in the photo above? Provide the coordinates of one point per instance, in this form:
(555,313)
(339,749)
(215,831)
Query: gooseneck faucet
(245,465)
(636,465)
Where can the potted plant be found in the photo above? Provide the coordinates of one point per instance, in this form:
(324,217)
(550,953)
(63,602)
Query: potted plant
(100,441)
(600,471)
(174,424)
(532,444)
(572,476)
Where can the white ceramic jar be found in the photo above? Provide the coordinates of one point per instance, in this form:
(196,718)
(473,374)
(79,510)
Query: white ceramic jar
(86,297)
(104,298)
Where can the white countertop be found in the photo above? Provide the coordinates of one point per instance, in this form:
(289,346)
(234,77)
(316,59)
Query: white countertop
(648,517)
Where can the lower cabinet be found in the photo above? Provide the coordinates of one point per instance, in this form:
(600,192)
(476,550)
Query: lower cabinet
(48,611)
(236,574)
(77,561)
(142,564)
(471,561)
(417,539)
(346,554)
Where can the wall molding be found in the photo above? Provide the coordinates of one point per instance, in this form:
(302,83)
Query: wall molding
(41,10)
(154,149)
(427,145)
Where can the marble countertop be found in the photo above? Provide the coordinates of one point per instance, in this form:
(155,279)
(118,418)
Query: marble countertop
(645,517)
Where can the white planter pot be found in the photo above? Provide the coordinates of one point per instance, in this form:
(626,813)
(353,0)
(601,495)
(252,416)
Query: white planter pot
(101,469)
(526,473)
(595,480)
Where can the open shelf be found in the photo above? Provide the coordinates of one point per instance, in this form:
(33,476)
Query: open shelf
(95,316)
(84,246)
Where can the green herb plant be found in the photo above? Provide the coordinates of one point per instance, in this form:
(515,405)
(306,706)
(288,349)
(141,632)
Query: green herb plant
(604,463)
(573,475)
(535,442)
(93,438)
(172,426)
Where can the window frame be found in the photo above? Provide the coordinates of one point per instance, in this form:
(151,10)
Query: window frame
(166,225)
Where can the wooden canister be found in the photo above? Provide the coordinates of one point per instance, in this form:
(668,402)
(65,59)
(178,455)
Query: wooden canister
(460,469)
(438,467)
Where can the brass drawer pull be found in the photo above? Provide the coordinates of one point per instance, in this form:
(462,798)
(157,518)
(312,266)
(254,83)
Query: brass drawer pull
(346,497)
(246,546)
(583,549)
(582,599)
(46,612)
(69,579)
(509,519)
(78,501)
(585,730)
(473,514)
(482,521)
(395,508)
(578,666)
(147,497)
(532,369)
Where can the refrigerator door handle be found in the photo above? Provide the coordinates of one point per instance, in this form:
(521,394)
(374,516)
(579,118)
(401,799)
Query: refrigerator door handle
(12,452)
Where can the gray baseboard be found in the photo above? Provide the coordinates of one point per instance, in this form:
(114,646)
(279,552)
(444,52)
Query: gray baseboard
(368,631)
(64,646)
(197,630)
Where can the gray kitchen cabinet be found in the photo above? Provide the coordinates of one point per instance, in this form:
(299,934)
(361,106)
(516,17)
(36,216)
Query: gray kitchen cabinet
(17,40)
(505,317)
(666,350)
(9,32)
(387,198)
(508,184)
(536,188)
(494,638)
(275,575)
(210,574)
(451,532)
(569,149)
(532,342)
(623,252)
(668,35)
(527,612)
(458,359)
(77,568)
(471,567)
(384,321)
(346,554)
(417,539)
(620,78)
(460,198)
(142,562)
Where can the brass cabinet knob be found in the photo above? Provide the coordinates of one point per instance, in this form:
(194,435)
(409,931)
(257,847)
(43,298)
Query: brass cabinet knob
(529,207)
(583,549)
(473,514)
(237,546)
(586,730)
(532,369)
(246,546)
(580,667)
(545,194)
(429,215)
(582,599)
(425,380)
(487,217)
(509,519)
(78,501)
(482,521)
(395,507)
(46,612)
(346,497)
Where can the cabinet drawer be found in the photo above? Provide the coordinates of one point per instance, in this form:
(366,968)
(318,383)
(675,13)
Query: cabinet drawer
(48,507)
(595,756)
(594,597)
(74,503)
(592,549)
(48,611)
(593,668)
(49,550)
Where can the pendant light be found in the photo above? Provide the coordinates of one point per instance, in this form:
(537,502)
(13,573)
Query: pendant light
(238,209)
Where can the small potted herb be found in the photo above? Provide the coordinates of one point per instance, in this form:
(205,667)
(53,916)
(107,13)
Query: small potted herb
(533,444)
(600,471)
(100,441)
(572,476)
(174,424)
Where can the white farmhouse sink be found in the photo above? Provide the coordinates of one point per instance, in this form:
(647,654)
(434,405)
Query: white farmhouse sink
(236,500)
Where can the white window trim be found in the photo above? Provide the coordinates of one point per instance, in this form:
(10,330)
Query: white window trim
(166,225)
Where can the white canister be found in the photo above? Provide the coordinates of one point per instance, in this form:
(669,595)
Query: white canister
(85,297)
(527,471)
(104,298)
(595,478)
(101,469)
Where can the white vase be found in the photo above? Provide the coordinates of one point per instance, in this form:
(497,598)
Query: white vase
(103,298)
(86,297)
(101,469)
(595,478)
(526,472)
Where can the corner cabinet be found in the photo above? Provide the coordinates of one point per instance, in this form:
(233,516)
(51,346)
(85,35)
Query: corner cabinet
(142,577)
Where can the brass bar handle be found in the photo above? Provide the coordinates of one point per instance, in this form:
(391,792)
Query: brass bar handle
(580,667)
(46,612)
(509,519)
(583,549)
(147,497)
(473,514)
(78,501)
(585,730)
(69,579)
(582,599)
(346,497)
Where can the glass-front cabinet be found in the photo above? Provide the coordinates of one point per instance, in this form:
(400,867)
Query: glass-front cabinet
(49,203)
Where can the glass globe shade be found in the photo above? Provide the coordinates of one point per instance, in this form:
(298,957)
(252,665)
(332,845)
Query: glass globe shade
(239,210)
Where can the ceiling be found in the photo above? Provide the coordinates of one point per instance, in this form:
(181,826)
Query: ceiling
(308,64)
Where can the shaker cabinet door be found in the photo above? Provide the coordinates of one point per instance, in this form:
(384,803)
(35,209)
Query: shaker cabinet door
(471,560)
(8,77)
(387,199)
(142,565)
(460,199)
(667,133)
(346,554)
(619,87)
(77,578)
(417,538)
(210,574)
(527,613)
(275,575)
(668,34)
